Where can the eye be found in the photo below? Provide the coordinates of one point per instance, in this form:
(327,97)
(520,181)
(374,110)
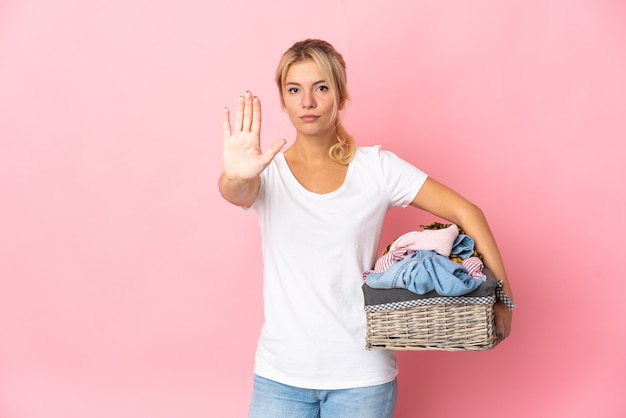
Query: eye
(322,88)
(292,90)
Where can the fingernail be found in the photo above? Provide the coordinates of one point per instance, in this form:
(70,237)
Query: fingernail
(501,336)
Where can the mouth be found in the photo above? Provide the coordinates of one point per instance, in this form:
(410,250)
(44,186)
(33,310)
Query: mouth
(309,118)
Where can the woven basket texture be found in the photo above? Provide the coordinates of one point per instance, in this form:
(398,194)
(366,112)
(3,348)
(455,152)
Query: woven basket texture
(447,327)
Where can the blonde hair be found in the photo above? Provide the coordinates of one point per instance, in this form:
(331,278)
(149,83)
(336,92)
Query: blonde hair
(331,64)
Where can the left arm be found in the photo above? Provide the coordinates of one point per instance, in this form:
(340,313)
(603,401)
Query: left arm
(441,201)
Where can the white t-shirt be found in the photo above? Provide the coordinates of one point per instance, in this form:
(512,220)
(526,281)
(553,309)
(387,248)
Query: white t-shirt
(315,249)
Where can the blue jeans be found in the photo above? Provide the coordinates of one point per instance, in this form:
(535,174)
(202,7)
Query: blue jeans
(274,400)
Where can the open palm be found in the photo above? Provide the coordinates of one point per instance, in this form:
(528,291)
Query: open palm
(242,154)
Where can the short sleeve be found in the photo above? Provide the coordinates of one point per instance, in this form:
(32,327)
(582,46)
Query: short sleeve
(402,179)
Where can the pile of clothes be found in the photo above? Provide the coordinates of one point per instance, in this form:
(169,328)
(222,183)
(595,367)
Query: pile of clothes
(440,257)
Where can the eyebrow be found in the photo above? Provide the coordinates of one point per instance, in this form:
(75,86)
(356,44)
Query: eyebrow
(298,84)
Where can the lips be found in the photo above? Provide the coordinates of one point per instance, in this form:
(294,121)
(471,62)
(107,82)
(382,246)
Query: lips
(309,118)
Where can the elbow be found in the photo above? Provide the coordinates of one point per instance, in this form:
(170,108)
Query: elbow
(470,213)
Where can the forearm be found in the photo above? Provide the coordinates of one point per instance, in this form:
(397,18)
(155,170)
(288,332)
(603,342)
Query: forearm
(240,192)
(474,223)
(444,202)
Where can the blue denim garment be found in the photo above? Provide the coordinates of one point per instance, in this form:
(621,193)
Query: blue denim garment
(424,271)
(271,399)
(463,246)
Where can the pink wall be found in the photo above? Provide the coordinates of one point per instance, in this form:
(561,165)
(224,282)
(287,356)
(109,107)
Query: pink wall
(121,293)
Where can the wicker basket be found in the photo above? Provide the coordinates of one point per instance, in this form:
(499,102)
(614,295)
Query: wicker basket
(398,319)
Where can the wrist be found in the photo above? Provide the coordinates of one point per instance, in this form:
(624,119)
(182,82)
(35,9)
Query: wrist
(238,191)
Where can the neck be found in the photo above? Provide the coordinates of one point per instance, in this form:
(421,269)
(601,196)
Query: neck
(311,148)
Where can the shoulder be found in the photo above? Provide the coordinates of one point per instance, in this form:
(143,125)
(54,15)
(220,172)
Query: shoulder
(368,150)
(387,162)
(373,152)
(376,154)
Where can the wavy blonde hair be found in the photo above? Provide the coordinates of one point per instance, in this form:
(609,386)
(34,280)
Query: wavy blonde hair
(332,65)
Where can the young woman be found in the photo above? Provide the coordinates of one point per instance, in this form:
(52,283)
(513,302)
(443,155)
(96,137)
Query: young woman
(321,205)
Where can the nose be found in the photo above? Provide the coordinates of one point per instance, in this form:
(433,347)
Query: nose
(308,100)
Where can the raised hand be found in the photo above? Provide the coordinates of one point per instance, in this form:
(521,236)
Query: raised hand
(242,155)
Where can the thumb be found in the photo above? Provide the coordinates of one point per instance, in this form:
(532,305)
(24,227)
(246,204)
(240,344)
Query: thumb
(271,152)
(500,328)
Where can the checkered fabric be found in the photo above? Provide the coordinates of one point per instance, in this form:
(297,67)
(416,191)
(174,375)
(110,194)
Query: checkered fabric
(503,296)
(394,306)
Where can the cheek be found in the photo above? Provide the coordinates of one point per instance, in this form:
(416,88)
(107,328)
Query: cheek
(291,115)
(288,106)
(291,108)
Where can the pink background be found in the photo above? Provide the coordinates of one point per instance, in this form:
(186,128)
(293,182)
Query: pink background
(129,288)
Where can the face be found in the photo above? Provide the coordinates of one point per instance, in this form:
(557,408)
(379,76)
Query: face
(309,100)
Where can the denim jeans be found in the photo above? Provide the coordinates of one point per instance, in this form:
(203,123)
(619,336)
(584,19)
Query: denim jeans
(274,400)
(424,271)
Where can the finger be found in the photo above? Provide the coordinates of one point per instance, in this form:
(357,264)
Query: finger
(500,331)
(239,115)
(226,123)
(500,334)
(270,153)
(247,112)
(256,115)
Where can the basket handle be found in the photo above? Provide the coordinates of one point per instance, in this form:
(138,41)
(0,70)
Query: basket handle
(504,297)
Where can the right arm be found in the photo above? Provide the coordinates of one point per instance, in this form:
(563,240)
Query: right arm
(243,160)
